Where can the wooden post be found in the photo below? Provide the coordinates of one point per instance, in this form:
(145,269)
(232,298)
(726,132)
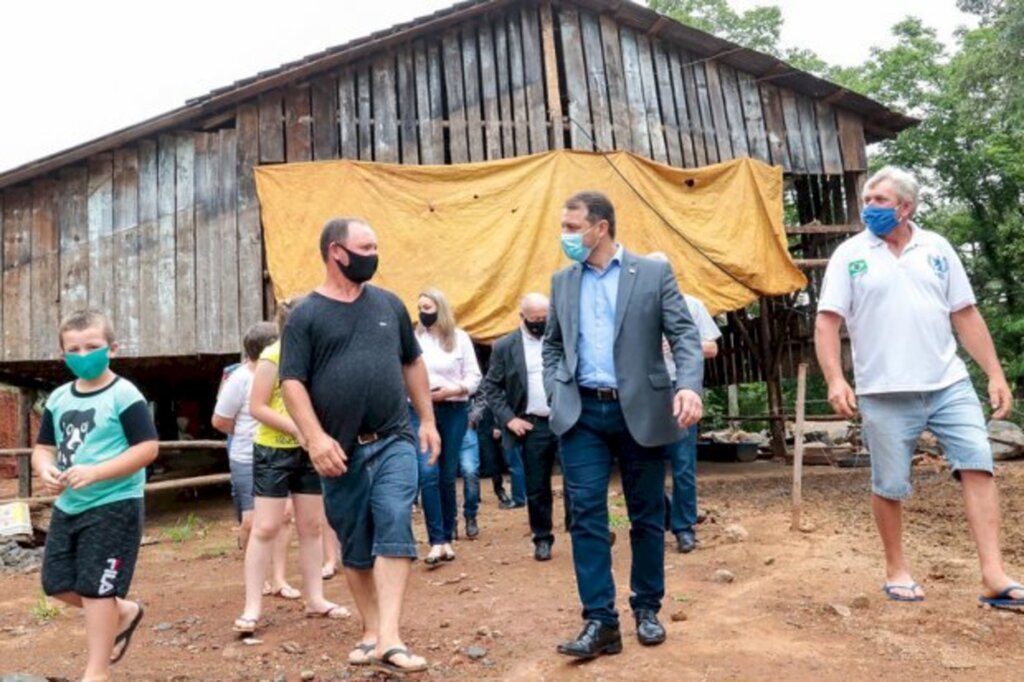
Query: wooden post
(854,187)
(776,427)
(547,25)
(798,444)
(734,405)
(26,398)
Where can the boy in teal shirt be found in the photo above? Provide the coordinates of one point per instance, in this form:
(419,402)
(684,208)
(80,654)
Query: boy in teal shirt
(95,440)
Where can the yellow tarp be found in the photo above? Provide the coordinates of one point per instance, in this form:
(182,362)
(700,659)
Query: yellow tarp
(486,233)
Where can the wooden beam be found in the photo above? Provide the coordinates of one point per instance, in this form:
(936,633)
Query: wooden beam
(853,228)
(798,445)
(810,263)
(173,484)
(547,26)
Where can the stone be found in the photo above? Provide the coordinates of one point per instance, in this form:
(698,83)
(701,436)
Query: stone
(861,601)
(280,677)
(723,576)
(678,616)
(839,610)
(163,627)
(769,561)
(476,652)
(22,677)
(444,624)
(734,532)
(807,527)
(1007,440)
(292,648)
(251,641)
(307,675)
(483,631)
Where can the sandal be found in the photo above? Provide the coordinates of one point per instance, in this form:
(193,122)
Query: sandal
(364,648)
(328,573)
(890,591)
(386,662)
(245,626)
(332,612)
(125,637)
(284,592)
(1005,599)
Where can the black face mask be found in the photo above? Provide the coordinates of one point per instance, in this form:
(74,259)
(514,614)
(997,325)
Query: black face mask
(428,319)
(536,329)
(360,268)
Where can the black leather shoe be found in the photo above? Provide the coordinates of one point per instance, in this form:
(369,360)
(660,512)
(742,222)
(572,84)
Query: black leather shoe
(648,630)
(472,530)
(686,541)
(506,504)
(504,501)
(542,552)
(594,640)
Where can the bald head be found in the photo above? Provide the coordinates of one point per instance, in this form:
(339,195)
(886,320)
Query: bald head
(533,310)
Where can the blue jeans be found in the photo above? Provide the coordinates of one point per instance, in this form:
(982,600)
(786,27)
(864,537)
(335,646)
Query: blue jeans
(516,472)
(452,422)
(469,465)
(429,490)
(682,512)
(589,449)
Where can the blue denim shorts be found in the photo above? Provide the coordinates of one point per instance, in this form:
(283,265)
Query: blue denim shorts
(893,422)
(370,505)
(241,487)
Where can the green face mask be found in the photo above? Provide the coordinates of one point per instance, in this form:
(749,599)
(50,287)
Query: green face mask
(90,365)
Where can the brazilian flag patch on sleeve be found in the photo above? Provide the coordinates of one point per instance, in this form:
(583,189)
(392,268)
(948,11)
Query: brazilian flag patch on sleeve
(858,267)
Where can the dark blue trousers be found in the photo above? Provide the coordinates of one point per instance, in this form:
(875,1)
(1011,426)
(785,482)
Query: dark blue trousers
(589,450)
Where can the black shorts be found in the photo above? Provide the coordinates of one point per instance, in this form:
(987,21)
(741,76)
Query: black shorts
(278,472)
(93,553)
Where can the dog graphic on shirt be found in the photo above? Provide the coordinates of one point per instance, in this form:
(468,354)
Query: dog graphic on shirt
(75,425)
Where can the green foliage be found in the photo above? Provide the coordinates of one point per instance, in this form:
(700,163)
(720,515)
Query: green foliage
(184,531)
(43,611)
(757,28)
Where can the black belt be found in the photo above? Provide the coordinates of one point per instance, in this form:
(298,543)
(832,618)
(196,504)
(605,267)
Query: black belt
(605,395)
(535,418)
(367,438)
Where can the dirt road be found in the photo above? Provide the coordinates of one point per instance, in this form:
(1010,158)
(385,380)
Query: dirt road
(802,605)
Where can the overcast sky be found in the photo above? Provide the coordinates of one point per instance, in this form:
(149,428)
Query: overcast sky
(71,71)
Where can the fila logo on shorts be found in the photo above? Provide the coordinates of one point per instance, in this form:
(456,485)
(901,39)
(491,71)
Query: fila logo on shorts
(109,576)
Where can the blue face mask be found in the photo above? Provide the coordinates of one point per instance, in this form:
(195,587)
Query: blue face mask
(881,221)
(90,365)
(574,248)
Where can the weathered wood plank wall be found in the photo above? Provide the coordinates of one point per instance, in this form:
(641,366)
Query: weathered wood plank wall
(165,233)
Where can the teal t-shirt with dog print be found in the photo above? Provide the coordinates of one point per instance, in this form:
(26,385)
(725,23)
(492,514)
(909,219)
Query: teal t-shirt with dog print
(91,428)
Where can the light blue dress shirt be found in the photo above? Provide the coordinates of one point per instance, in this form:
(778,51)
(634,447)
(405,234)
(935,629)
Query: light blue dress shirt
(595,346)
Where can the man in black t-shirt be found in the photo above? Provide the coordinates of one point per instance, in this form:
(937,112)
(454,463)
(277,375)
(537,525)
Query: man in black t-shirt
(348,359)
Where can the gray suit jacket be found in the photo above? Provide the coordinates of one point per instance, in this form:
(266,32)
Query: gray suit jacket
(648,307)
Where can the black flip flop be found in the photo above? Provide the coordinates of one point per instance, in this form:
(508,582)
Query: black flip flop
(126,635)
(384,662)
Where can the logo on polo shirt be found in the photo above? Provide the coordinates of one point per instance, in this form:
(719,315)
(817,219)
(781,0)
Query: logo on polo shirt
(858,267)
(940,266)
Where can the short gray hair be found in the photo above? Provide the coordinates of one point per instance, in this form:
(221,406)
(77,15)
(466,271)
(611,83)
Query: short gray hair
(336,231)
(904,184)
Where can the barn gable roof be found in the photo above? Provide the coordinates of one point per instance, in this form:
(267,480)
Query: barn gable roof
(880,122)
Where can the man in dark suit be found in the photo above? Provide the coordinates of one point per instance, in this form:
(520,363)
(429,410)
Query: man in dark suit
(514,387)
(612,398)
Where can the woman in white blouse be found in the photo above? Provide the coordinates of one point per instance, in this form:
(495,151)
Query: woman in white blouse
(454,377)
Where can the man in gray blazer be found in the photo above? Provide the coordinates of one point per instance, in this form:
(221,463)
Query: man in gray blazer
(612,398)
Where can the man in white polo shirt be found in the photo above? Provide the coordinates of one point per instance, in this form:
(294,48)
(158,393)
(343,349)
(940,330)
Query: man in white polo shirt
(902,291)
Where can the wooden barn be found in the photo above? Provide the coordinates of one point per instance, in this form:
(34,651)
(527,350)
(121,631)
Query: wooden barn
(159,223)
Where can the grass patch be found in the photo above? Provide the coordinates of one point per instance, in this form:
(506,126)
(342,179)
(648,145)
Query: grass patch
(215,552)
(192,526)
(618,521)
(43,611)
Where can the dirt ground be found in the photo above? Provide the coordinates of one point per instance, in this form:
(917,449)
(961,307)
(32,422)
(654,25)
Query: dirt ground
(803,605)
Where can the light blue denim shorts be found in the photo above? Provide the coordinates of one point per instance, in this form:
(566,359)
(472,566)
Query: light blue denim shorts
(893,422)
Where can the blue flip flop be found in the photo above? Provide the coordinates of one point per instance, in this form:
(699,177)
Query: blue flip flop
(890,591)
(1003,600)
